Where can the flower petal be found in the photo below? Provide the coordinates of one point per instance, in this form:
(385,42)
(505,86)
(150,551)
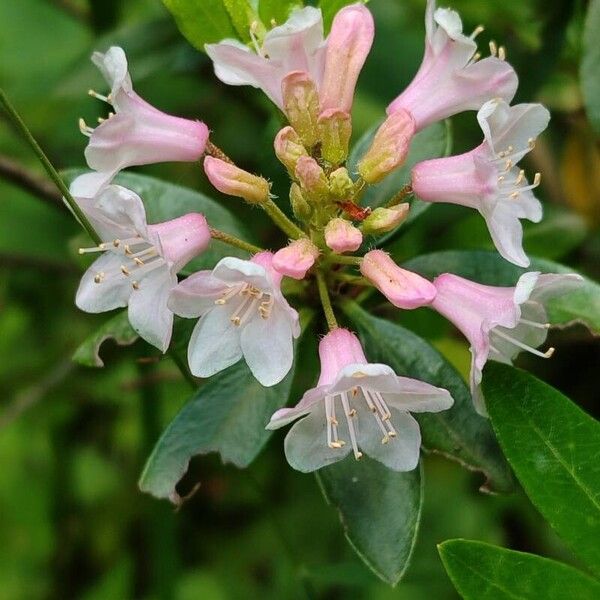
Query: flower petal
(235,270)
(306,446)
(215,343)
(268,346)
(113,66)
(418,396)
(196,295)
(148,312)
(507,233)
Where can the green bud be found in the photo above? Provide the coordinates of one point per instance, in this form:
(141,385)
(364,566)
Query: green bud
(382,220)
(340,183)
(300,207)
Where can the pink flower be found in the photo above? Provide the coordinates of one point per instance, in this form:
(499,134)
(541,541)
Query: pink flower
(348,45)
(487,178)
(342,236)
(139,262)
(232,180)
(499,322)
(402,288)
(296,259)
(451,79)
(242,314)
(357,407)
(333,65)
(138,134)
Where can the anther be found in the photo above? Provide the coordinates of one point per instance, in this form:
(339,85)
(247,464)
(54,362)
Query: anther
(537,179)
(502,53)
(493,48)
(479,29)
(125,271)
(135,285)
(514,195)
(98,96)
(531,143)
(508,165)
(85,128)
(520,178)
(99,278)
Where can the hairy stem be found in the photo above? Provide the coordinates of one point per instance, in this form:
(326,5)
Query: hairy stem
(281,220)
(19,124)
(343,260)
(227,238)
(326,301)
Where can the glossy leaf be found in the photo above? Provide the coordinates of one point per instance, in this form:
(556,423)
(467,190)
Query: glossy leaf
(458,433)
(227,415)
(201,21)
(553,447)
(242,16)
(579,306)
(432,142)
(116,328)
(590,65)
(379,509)
(481,571)
(276,10)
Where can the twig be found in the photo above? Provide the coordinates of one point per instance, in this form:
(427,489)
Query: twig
(31,182)
(216,234)
(326,301)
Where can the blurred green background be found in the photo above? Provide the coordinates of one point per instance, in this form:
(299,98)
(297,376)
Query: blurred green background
(73,440)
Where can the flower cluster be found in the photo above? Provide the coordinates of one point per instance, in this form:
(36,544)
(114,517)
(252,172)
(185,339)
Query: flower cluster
(356,407)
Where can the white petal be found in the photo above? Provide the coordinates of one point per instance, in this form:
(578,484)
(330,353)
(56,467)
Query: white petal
(418,396)
(268,346)
(507,233)
(550,285)
(401,453)
(235,270)
(148,312)
(113,66)
(89,185)
(111,293)
(196,295)
(124,208)
(306,446)
(215,343)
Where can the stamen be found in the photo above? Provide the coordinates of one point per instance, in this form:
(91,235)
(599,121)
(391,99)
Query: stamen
(524,346)
(493,48)
(535,324)
(502,53)
(135,285)
(99,278)
(85,128)
(266,306)
(227,294)
(479,29)
(520,178)
(531,143)
(98,96)
(350,421)
(253,29)
(98,248)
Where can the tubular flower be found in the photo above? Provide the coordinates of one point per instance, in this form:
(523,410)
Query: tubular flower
(297,45)
(296,259)
(451,79)
(357,407)
(138,133)
(500,322)
(139,262)
(243,313)
(487,179)
(342,236)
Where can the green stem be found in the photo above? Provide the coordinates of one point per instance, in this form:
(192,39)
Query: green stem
(281,220)
(216,234)
(18,122)
(326,301)
(352,279)
(343,260)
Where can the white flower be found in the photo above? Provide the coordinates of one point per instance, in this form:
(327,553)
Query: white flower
(357,406)
(139,262)
(487,177)
(243,313)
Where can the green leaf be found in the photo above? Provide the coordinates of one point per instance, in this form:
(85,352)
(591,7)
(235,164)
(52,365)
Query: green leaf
(201,21)
(553,447)
(116,328)
(165,201)
(433,142)
(242,16)
(277,10)
(590,64)
(380,511)
(481,571)
(227,415)
(458,433)
(579,306)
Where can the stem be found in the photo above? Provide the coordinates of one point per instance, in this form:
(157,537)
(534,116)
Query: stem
(227,238)
(352,279)
(397,198)
(281,220)
(18,122)
(344,260)
(326,301)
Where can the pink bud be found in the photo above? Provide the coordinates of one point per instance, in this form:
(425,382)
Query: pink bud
(183,238)
(312,177)
(342,236)
(348,44)
(232,180)
(389,148)
(402,288)
(296,259)
(301,105)
(289,148)
(338,349)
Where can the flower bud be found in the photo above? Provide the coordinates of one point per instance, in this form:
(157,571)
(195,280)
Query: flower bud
(289,148)
(296,259)
(312,178)
(348,44)
(402,288)
(301,105)
(335,128)
(382,220)
(342,236)
(340,183)
(232,180)
(389,148)
(300,207)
